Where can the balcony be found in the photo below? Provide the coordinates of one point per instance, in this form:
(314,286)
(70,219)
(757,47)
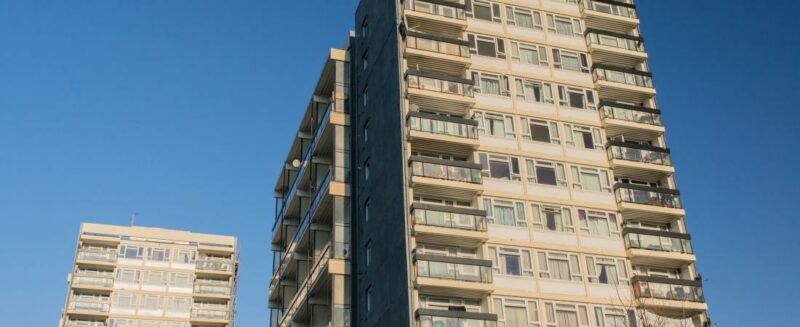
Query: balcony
(615,48)
(213,288)
(623,83)
(453,276)
(436,318)
(631,120)
(92,281)
(97,256)
(639,161)
(439,133)
(446,93)
(609,15)
(652,203)
(210,314)
(89,307)
(442,16)
(670,293)
(451,225)
(660,248)
(85,323)
(215,265)
(437,53)
(455,179)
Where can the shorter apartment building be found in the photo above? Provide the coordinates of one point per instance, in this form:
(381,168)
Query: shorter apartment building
(150,277)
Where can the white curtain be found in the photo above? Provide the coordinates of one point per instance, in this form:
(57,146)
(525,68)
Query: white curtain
(567,318)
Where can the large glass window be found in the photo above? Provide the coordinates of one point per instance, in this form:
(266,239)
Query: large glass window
(568,60)
(590,179)
(598,223)
(181,279)
(128,276)
(158,254)
(577,98)
(566,315)
(583,137)
(511,261)
(559,266)
(491,84)
(552,218)
(517,313)
(499,166)
(533,91)
(496,125)
(530,54)
(540,130)
(488,46)
(546,173)
(485,10)
(564,25)
(503,212)
(124,300)
(131,252)
(524,18)
(155,278)
(604,270)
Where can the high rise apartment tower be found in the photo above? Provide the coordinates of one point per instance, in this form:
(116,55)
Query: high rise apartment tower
(507,167)
(151,277)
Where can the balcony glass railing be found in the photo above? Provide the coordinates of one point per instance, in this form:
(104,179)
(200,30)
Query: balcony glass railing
(449,217)
(211,288)
(622,75)
(616,8)
(85,323)
(443,125)
(437,83)
(93,280)
(668,289)
(614,40)
(654,196)
(631,113)
(444,8)
(93,254)
(214,264)
(85,305)
(454,268)
(458,171)
(638,153)
(432,43)
(448,318)
(206,313)
(663,241)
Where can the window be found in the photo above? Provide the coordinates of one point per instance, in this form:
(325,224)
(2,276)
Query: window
(124,300)
(366,131)
(507,213)
(603,270)
(583,137)
(500,167)
(614,317)
(540,131)
(564,25)
(491,84)
(524,18)
(552,218)
(488,46)
(157,254)
(568,60)
(368,251)
(546,173)
(496,125)
(149,323)
(440,303)
(180,279)
(156,278)
(566,315)
(598,223)
(559,266)
(528,53)
(131,252)
(369,298)
(533,91)
(366,169)
(184,256)
(590,179)
(366,210)
(150,302)
(516,313)
(365,96)
(576,98)
(128,276)
(116,322)
(364,28)
(511,261)
(365,61)
(485,10)
(448,251)
(179,304)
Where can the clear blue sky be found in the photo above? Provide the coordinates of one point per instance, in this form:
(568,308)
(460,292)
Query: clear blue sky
(183,110)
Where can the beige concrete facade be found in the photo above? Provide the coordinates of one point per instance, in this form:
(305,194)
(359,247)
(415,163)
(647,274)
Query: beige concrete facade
(582,223)
(151,277)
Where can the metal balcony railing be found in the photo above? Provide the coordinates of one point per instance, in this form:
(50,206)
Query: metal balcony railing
(435,318)
(444,8)
(631,113)
(614,40)
(458,171)
(668,288)
(443,125)
(616,8)
(93,254)
(622,75)
(438,44)
(654,196)
(453,268)
(438,82)
(638,153)
(654,240)
(449,217)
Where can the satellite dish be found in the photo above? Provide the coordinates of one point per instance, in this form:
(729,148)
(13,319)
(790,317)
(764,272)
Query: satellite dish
(296,163)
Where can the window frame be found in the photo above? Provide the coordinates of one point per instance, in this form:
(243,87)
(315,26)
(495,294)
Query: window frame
(593,266)
(494,11)
(531,307)
(611,219)
(541,53)
(603,175)
(499,255)
(486,123)
(517,208)
(575,25)
(547,90)
(572,133)
(546,271)
(504,88)
(553,131)
(587,96)
(551,309)
(486,160)
(581,57)
(499,45)
(559,171)
(536,17)
(565,219)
